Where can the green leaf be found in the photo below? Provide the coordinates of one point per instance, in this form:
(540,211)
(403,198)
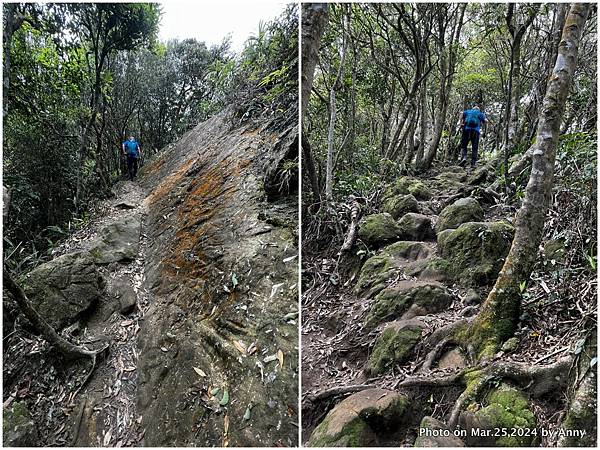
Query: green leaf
(225,398)
(247,414)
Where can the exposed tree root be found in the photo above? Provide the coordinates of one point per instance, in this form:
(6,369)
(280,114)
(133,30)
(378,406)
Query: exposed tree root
(337,391)
(69,350)
(537,380)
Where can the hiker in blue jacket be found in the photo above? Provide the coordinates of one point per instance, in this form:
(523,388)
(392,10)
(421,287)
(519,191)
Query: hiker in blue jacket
(132,149)
(471,122)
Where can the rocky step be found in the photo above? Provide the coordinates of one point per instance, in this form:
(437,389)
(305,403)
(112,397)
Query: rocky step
(361,419)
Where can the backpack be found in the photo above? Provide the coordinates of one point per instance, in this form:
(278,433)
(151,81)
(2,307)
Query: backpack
(472,119)
(132,148)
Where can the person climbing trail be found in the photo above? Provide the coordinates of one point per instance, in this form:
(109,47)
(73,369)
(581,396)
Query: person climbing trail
(471,121)
(131,148)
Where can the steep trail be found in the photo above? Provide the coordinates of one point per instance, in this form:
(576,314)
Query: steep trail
(433,251)
(189,275)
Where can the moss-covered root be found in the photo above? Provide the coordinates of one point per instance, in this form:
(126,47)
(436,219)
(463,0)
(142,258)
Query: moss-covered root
(504,408)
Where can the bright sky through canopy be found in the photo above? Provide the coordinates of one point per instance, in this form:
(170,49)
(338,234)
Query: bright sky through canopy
(211,21)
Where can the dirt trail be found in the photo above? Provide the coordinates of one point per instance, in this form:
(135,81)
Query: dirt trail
(106,414)
(394,290)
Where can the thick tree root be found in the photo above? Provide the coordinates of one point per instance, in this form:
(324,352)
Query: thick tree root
(537,380)
(337,391)
(69,350)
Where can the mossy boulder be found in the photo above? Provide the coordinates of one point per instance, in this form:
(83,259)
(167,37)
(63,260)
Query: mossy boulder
(506,407)
(377,229)
(480,175)
(18,429)
(398,205)
(63,288)
(433,433)
(379,269)
(475,251)
(394,345)
(461,211)
(393,302)
(408,185)
(415,227)
(355,421)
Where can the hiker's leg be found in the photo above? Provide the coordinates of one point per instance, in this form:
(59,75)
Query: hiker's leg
(130,167)
(464,141)
(135,167)
(475,144)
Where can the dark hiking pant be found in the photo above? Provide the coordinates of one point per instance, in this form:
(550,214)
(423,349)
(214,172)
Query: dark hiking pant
(132,166)
(471,136)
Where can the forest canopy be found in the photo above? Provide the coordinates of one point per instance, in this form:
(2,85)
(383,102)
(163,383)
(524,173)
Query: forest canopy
(392,79)
(81,78)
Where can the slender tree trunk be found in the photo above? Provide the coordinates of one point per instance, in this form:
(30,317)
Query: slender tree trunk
(332,118)
(314,19)
(500,312)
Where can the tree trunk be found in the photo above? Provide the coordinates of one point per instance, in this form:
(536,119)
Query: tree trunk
(332,119)
(314,19)
(500,312)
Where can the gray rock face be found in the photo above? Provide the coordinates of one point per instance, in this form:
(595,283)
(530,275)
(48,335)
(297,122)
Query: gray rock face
(433,433)
(118,241)
(63,288)
(18,430)
(461,211)
(204,225)
(415,227)
(122,291)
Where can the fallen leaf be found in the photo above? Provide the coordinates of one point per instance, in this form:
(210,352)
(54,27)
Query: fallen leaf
(251,348)
(280,357)
(290,258)
(226,424)
(270,358)
(234,280)
(215,391)
(247,414)
(239,346)
(107,437)
(225,398)
(199,372)
(126,323)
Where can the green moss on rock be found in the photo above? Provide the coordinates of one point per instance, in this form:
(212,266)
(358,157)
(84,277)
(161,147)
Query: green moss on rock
(393,302)
(476,251)
(355,421)
(415,227)
(378,269)
(408,185)
(461,211)
(377,229)
(398,205)
(508,408)
(393,346)
(18,430)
